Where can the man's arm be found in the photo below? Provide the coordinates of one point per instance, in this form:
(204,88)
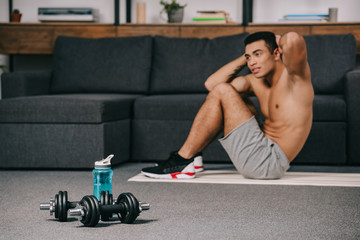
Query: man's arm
(292,47)
(227,73)
(242,84)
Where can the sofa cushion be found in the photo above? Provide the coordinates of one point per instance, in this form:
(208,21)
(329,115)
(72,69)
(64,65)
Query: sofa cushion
(329,62)
(329,108)
(120,65)
(186,106)
(181,65)
(70,108)
(168,107)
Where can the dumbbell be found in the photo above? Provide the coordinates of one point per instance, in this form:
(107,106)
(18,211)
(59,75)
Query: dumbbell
(60,205)
(127,207)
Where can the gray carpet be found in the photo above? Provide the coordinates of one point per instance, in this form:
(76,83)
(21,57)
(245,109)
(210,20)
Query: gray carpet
(181,210)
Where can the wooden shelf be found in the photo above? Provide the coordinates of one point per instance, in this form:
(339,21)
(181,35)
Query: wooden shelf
(39,38)
(54,24)
(304,23)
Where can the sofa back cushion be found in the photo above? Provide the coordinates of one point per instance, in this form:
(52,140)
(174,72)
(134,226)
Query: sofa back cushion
(120,65)
(181,65)
(330,57)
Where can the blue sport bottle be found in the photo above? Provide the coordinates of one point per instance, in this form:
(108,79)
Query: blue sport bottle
(102,175)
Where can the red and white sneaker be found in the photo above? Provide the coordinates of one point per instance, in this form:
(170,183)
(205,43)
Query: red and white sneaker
(198,162)
(175,167)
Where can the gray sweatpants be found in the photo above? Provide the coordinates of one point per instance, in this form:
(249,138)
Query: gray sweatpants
(253,154)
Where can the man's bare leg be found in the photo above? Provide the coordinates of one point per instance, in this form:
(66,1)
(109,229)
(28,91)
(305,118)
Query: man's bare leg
(223,108)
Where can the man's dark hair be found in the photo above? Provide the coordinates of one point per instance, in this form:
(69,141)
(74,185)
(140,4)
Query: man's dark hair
(268,37)
(270,42)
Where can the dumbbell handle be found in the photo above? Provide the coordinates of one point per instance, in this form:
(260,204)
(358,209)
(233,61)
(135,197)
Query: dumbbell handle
(108,209)
(117,208)
(47,206)
(104,209)
(144,206)
(51,205)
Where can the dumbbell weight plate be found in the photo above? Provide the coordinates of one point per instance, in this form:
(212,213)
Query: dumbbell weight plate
(106,199)
(57,205)
(63,210)
(60,203)
(131,206)
(92,211)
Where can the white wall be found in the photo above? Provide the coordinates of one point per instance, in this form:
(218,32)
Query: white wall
(153,9)
(106,8)
(4,17)
(264,10)
(29,9)
(272,10)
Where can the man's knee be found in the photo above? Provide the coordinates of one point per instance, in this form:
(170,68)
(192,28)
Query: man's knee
(222,89)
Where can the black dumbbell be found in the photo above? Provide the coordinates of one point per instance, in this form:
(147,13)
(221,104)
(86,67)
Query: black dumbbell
(60,205)
(127,207)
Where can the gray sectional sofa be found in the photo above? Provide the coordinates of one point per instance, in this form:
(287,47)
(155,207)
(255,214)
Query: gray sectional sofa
(136,97)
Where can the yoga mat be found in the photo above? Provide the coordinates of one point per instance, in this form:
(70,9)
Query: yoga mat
(290,178)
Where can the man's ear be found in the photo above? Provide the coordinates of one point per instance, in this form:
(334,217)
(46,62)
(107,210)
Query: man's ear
(277,54)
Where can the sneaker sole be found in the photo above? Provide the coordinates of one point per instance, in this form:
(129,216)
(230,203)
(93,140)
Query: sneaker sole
(177,175)
(199,168)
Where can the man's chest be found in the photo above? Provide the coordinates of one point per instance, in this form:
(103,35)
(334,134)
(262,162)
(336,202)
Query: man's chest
(274,100)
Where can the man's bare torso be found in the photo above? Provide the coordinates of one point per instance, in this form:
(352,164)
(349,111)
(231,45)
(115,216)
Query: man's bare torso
(287,108)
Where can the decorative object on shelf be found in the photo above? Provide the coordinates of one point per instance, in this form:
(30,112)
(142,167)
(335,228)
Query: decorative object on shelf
(174,10)
(16,15)
(67,15)
(333,14)
(141,12)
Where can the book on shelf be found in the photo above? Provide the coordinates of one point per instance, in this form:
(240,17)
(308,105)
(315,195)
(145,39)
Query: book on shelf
(211,17)
(305,18)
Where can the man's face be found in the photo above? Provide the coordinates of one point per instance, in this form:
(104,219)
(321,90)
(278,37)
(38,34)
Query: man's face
(259,59)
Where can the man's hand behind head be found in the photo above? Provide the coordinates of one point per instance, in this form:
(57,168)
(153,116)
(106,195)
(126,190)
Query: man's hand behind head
(278,43)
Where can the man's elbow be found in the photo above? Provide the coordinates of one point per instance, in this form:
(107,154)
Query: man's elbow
(293,39)
(208,84)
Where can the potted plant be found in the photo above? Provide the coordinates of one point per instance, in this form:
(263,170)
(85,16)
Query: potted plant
(15,15)
(174,10)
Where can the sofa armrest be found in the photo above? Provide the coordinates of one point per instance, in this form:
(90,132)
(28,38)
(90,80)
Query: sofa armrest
(16,84)
(352,96)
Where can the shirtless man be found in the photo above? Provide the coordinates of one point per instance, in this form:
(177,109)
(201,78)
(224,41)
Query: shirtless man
(281,80)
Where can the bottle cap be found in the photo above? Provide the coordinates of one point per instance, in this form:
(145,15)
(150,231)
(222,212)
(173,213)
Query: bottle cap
(104,163)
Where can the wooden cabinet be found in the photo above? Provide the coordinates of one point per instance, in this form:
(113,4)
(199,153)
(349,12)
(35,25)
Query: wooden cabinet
(39,38)
(204,31)
(141,30)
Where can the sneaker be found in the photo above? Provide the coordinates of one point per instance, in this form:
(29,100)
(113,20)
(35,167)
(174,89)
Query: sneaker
(198,162)
(175,167)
